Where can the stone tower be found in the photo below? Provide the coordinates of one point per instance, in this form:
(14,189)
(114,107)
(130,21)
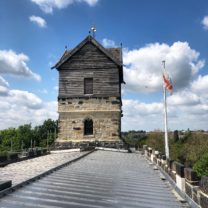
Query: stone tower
(89,100)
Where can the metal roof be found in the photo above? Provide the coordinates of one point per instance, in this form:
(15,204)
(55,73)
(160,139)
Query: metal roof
(101,179)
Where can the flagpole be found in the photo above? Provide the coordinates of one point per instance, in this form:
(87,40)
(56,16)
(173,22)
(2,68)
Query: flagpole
(166,120)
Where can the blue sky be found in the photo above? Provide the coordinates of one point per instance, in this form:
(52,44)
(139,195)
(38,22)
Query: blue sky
(34,34)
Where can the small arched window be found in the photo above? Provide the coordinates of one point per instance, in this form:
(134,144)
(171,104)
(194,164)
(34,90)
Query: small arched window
(88,126)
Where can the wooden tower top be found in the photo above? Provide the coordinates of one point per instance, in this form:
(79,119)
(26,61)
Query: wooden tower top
(113,54)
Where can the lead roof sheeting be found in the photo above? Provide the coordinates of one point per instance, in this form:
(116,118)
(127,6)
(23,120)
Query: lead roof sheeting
(101,179)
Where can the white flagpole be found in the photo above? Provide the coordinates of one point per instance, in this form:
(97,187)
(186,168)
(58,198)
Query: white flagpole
(166,120)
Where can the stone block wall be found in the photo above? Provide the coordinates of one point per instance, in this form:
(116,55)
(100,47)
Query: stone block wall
(105,113)
(89,104)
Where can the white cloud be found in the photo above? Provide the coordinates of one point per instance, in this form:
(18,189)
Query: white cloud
(3,82)
(48,6)
(3,91)
(89,2)
(3,87)
(143,70)
(38,21)
(205,22)
(141,116)
(55,88)
(15,64)
(200,85)
(26,99)
(142,108)
(185,110)
(187,107)
(21,107)
(108,43)
(184,98)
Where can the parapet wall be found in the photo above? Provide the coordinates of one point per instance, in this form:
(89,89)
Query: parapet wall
(193,188)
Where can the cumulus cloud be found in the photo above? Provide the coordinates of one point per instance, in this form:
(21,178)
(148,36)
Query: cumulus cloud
(200,85)
(3,82)
(143,108)
(205,22)
(48,6)
(20,107)
(141,116)
(108,43)
(39,21)
(26,99)
(143,69)
(187,107)
(4,87)
(184,98)
(16,64)
(185,110)
(3,91)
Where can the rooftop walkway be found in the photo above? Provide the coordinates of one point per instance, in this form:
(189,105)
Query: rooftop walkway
(101,179)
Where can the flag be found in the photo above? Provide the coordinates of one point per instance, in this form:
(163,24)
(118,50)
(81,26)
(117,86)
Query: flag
(168,83)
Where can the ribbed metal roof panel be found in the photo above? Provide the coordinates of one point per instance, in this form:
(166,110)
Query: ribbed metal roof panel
(101,179)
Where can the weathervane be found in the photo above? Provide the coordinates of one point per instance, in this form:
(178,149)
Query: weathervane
(93,30)
(163,63)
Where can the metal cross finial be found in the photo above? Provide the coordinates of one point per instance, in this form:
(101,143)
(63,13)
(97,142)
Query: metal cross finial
(93,30)
(163,62)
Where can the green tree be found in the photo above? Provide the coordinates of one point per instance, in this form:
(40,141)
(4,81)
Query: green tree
(8,140)
(175,136)
(156,141)
(201,166)
(48,131)
(24,136)
(135,138)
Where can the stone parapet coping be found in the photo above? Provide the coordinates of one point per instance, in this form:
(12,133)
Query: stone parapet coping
(181,193)
(64,151)
(87,111)
(183,180)
(111,149)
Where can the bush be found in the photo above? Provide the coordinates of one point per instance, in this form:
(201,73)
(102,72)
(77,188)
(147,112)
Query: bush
(12,155)
(177,152)
(3,157)
(201,166)
(156,141)
(134,138)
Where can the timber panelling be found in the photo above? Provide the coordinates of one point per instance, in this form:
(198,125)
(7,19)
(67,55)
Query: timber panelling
(86,63)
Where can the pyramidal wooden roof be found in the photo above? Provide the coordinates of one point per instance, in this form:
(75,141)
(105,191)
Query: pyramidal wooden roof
(112,53)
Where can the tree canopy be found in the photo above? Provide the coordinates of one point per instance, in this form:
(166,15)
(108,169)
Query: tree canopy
(26,136)
(187,147)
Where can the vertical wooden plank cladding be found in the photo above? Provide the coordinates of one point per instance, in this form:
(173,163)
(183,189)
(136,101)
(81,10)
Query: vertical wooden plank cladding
(89,62)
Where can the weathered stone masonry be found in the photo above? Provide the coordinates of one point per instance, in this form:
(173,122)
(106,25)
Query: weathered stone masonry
(105,113)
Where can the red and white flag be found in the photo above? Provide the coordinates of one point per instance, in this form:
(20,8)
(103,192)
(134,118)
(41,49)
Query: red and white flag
(167,82)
